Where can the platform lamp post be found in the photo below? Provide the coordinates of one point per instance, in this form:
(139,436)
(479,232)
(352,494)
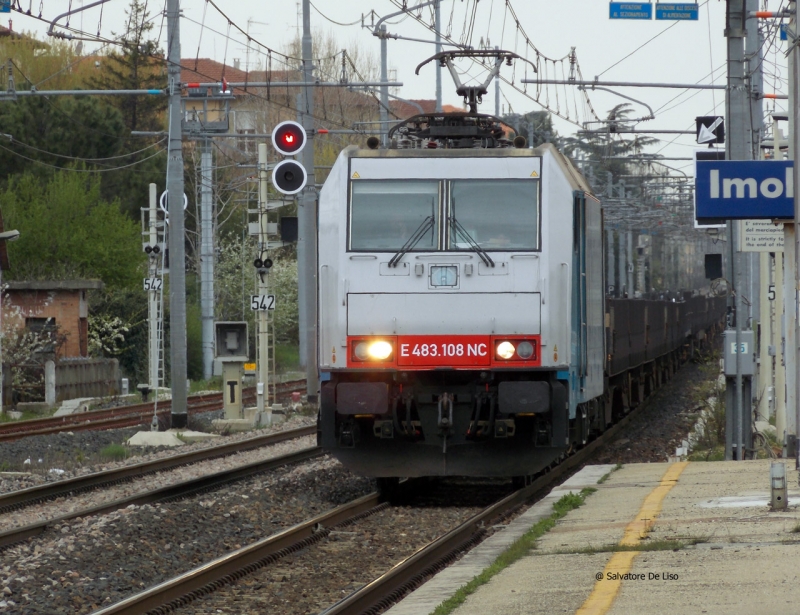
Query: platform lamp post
(4,236)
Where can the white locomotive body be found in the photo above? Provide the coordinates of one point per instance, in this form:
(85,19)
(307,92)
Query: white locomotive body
(460,309)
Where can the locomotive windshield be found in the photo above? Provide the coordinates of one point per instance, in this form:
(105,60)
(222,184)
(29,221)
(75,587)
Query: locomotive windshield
(482,215)
(385,213)
(500,214)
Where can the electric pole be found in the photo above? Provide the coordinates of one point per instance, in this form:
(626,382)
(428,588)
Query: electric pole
(737,148)
(207,258)
(437,12)
(177,256)
(793,410)
(307,226)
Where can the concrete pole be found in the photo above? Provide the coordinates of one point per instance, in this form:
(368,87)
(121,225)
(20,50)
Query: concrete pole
(437,12)
(737,105)
(262,386)
(307,226)
(791,252)
(207,260)
(793,409)
(175,192)
(610,265)
(622,264)
(640,268)
(384,113)
(629,255)
(789,327)
(753,45)
(154,296)
(777,341)
(765,361)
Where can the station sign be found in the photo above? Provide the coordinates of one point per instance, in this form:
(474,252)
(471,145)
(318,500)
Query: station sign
(744,190)
(761,236)
(630,10)
(684,11)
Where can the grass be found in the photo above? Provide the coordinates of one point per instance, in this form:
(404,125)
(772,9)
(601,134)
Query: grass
(709,396)
(519,549)
(605,476)
(715,453)
(115,452)
(796,529)
(212,384)
(26,416)
(287,357)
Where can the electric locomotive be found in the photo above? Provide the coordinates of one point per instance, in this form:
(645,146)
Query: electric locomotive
(461,306)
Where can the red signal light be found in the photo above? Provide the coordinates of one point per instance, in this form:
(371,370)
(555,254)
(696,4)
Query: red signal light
(288,138)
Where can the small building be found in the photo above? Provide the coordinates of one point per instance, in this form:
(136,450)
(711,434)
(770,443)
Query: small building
(52,305)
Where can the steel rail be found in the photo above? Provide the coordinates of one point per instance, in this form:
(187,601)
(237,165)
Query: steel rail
(230,566)
(388,588)
(409,573)
(84,421)
(25,497)
(178,490)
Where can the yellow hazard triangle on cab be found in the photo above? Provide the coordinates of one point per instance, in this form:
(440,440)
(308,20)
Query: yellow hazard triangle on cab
(356,175)
(534,174)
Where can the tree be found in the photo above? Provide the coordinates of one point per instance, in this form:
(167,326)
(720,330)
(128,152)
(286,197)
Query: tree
(139,65)
(67,230)
(56,132)
(235,281)
(603,150)
(536,123)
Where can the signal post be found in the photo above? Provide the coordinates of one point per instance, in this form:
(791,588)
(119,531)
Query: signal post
(288,177)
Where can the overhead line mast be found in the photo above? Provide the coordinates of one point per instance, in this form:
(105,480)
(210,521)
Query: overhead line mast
(175,190)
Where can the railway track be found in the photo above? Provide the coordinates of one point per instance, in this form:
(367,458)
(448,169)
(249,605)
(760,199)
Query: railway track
(374,596)
(127,416)
(27,497)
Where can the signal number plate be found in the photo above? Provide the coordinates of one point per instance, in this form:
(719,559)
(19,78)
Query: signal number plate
(262,303)
(153,283)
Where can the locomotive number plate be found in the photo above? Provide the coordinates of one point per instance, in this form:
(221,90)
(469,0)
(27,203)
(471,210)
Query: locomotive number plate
(444,350)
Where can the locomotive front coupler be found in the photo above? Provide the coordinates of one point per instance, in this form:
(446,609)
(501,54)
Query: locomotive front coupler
(444,418)
(403,400)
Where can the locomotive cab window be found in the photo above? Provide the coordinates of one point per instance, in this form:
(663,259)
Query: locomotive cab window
(386,215)
(500,214)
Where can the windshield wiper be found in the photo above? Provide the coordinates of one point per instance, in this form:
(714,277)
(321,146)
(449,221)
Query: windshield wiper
(415,238)
(487,260)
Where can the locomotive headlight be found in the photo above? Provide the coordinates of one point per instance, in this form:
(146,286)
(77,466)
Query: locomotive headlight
(379,350)
(524,350)
(375,350)
(361,351)
(505,350)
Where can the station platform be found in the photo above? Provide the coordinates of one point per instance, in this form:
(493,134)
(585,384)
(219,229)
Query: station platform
(654,538)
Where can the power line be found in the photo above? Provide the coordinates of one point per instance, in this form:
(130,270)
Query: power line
(53,166)
(338,23)
(88,160)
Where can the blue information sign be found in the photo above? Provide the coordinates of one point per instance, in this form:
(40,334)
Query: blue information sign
(680,11)
(744,189)
(5,6)
(630,10)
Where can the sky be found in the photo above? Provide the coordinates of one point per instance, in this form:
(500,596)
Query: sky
(617,50)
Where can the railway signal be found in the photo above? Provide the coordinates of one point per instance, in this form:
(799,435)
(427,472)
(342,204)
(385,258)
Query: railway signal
(289,176)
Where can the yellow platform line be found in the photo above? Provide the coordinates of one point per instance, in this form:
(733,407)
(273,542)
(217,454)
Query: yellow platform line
(606,589)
